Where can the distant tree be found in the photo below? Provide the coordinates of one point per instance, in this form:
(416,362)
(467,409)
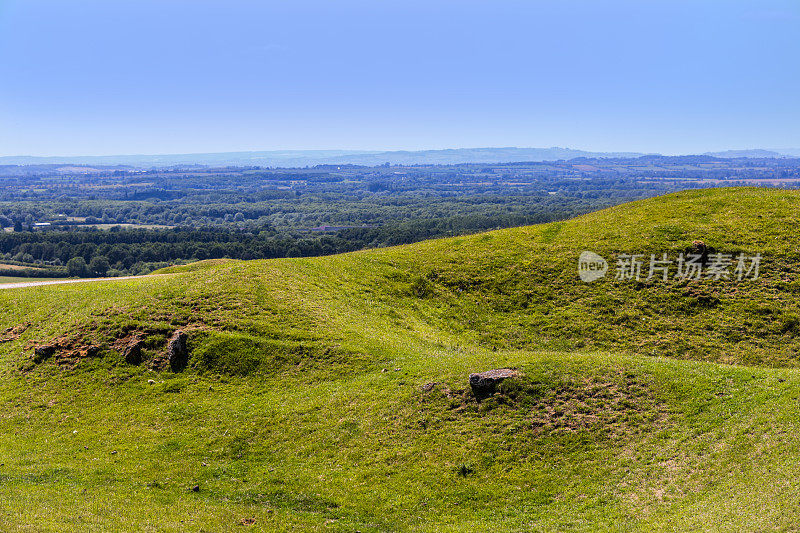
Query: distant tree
(98,265)
(376,186)
(77,267)
(17,225)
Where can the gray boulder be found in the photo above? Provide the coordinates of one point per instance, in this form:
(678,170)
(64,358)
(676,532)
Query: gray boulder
(177,352)
(133,352)
(484,384)
(40,353)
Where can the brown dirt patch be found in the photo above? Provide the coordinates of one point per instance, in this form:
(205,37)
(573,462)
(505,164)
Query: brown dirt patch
(617,404)
(98,336)
(6,266)
(614,404)
(13,333)
(66,350)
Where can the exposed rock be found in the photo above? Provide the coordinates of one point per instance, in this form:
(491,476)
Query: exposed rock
(699,248)
(67,351)
(133,352)
(177,352)
(89,351)
(40,353)
(429,386)
(484,383)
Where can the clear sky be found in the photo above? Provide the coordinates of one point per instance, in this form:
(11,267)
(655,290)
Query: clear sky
(169,76)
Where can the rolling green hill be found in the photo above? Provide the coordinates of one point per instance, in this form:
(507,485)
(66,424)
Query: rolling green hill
(332,393)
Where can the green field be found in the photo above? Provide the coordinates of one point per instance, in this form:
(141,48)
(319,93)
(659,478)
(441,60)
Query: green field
(20,279)
(331,394)
(14,279)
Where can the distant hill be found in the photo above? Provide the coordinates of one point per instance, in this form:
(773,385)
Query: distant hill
(302,158)
(757,153)
(790,152)
(306,158)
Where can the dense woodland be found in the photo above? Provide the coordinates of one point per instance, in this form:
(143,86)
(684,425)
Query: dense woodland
(98,221)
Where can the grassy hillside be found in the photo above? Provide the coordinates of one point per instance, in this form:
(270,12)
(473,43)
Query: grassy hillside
(331,393)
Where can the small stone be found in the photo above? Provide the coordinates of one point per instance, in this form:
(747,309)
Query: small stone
(177,352)
(90,351)
(114,452)
(483,384)
(429,386)
(196,488)
(133,352)
(40,353)
(151,381)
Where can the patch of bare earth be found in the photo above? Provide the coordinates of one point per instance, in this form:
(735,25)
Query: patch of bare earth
(13,333)
(616,405)
(6,266)
(137,342)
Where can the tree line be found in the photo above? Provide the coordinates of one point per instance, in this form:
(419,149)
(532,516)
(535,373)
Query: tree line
(123,251)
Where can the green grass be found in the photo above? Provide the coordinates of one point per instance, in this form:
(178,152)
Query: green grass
(303,406)
(18,279)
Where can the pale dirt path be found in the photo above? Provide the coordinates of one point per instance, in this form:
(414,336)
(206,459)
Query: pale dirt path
(57,282)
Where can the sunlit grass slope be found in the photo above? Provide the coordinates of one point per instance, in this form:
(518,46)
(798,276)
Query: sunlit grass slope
(331,393)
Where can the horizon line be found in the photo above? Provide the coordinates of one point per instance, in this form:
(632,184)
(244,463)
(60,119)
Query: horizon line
(367,151)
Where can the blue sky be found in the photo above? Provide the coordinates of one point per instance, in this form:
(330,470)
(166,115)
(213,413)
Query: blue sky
(170,76)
